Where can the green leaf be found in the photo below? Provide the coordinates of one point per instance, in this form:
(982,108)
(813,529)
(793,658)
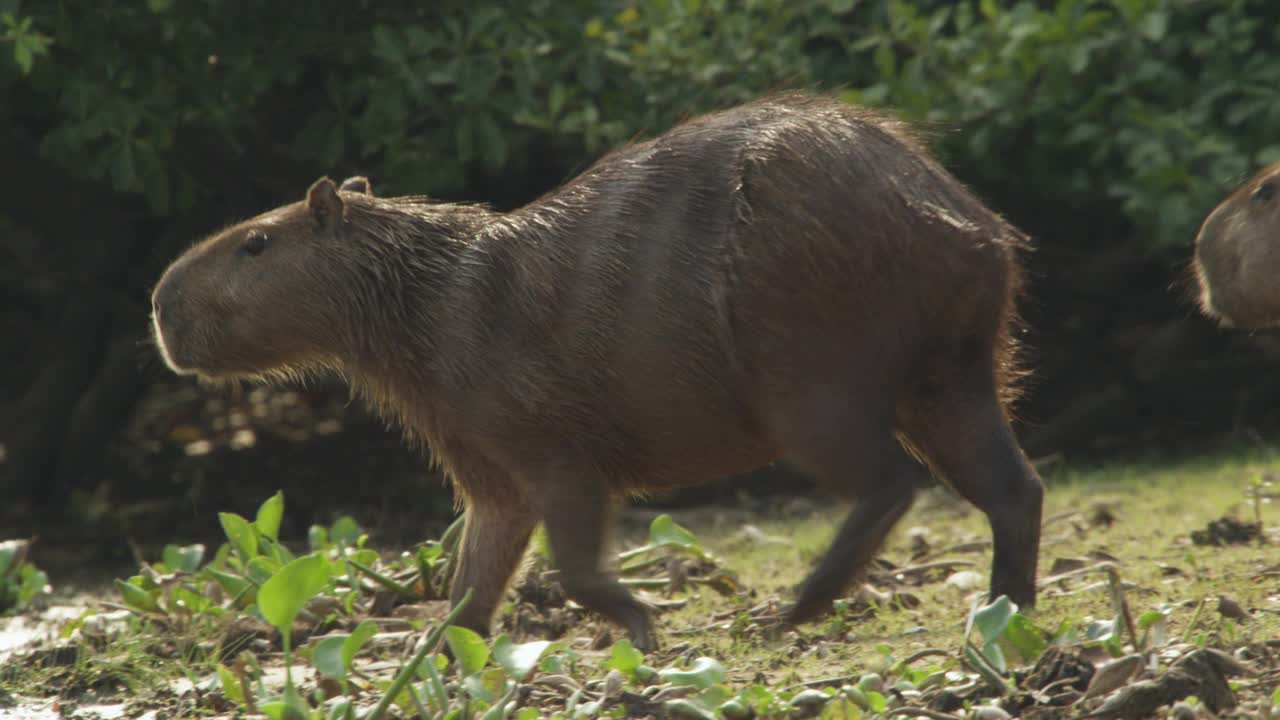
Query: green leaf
(262,567)
(485,686)
(704,673)
(231,584)
(185,558)
(282,596)
(23,55)
(317,537)
(991,620)
(1025,637)
(34,582)
(532,713)
(136,597)
(269,514)
(664,531)
(518,660)
(241,535)
(468,648)
(356,640)
(1154,25)
(327,657)
(159,6)
(345,531)
(624,657)
(230,685)
(9,551)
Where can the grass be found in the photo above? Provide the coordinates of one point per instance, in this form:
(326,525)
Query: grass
(1155,507)
(1137,515)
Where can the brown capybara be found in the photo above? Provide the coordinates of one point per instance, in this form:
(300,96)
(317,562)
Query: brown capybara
(1237,259)
(790,279)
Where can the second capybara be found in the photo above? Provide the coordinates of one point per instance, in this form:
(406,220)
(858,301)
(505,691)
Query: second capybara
(1237,256)
(793,278)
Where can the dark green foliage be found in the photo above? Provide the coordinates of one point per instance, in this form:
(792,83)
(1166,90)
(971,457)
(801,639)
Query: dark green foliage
(1148,106)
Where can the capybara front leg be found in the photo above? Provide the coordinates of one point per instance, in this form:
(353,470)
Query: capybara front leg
(493,541)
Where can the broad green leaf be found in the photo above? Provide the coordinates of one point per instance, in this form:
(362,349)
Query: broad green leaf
(734,709)
(1025,637)
(261,568)
(518,660)
(664,531)
(137,597)
(282,596)
(345,531)
(878,701)
(704,673)
(269,515)
(486,686)
(532,713)
(992,620)
(185,558)
(624,657)
(241,535)
(685,708)
(356,640)
(231,584)
(317,537)
(327,657)
(468,648)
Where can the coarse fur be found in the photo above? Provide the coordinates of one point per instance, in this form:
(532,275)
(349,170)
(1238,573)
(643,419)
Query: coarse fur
(793,278)
(1237,256)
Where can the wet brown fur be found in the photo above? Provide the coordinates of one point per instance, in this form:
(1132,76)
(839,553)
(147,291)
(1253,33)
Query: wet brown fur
(1237,258)
(793,278)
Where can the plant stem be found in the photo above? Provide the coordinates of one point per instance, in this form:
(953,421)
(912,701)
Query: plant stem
(383,580)
(411,668)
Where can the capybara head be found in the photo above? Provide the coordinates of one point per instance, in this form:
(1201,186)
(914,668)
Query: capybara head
(255,299)
(1237,259)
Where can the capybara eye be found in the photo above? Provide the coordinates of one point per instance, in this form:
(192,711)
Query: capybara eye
(1263,192)
(254,244)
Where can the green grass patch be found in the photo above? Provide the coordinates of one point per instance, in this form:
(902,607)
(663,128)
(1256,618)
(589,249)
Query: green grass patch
(1131,582)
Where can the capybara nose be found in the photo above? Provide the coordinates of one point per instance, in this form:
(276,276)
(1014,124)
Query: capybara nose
(162,298)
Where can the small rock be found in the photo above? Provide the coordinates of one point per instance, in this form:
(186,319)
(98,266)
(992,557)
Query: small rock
(989,712)
(965,580)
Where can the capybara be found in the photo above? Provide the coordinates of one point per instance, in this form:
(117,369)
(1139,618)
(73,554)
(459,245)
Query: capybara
(1237,259)
(791,279)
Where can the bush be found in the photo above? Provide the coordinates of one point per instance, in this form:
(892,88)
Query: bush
(1147,107)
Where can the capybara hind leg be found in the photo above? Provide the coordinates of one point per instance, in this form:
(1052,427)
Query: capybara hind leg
(845,440)
(968,440)
(576,515)
(493,541)
(888,487)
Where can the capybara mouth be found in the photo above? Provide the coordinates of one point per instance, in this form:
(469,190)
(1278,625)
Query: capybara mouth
(170,358)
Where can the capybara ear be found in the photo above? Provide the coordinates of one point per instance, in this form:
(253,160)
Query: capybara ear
(324,203)
(357,184)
